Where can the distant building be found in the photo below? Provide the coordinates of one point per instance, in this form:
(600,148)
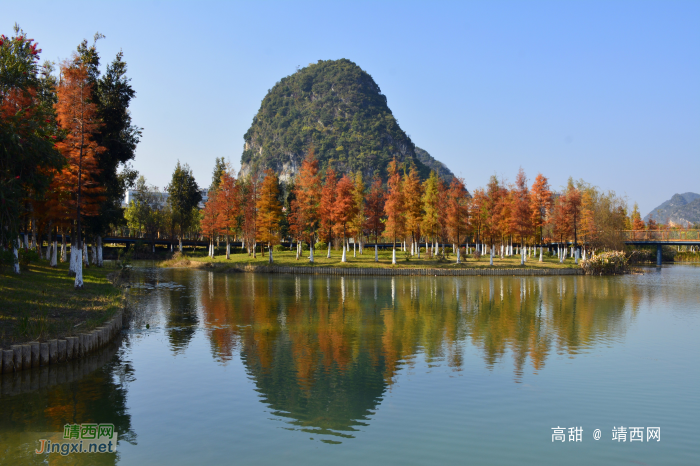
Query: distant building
(161,197)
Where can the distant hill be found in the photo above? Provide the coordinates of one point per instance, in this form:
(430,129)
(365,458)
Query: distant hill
(681,209)
(337,108)
(434,165)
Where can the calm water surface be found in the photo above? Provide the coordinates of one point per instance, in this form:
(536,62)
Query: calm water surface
(270,369)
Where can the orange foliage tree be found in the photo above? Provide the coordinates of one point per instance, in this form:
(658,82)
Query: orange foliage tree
(375,212)
(457,212)
(413,205)
(305,209)
(540,204)
(394,207)
(521,217)
(77,117)
(326,207)
(343,209)
(209,220)
(228,207)
(269,211)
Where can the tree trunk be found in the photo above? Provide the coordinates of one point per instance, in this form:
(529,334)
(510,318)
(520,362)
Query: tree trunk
(54,253)
(78,267)
(100,261)
(311,251)
(15,245)
(376,253)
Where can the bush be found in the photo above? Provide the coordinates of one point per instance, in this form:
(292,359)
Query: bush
(320,245)
(26,256)
(7,258)
(477,254)
(279,248)
(607,263)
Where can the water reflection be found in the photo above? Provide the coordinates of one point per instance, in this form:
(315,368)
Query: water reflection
(323,350)
(92,389)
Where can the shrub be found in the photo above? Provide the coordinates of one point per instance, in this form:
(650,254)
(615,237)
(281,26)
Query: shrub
(279,248)
(607,263)
(7,257)
(477,254)
(26,256)
(320,245)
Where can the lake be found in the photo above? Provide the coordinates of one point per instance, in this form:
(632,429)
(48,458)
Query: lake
(257,369)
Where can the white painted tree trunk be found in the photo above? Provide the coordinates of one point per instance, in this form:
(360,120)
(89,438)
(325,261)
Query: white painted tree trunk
(328,256)
(311,251)
(270,249)
(71,261)
(94,254)
(26,241)
(459,259)
(15,245)
(78,268)
(54,254)
(354,249)
(522,257)
(376,253)
(491,262)
(540,253)
(344,259)
(100,260)
(576,256)
(228,250)
(63,247)
(180,244)
(393,255)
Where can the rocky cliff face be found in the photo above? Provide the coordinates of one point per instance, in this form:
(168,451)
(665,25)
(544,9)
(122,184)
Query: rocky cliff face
(681,209)
(335,108)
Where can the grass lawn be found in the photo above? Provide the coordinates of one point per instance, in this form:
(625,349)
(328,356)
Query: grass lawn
(288,258)
(42,304)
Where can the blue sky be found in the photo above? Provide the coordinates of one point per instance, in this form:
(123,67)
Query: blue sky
(605,91)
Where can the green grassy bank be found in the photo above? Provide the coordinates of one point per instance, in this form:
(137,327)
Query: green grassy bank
(288,259)
(42,304)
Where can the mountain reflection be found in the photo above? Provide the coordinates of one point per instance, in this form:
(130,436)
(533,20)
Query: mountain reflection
(322,350)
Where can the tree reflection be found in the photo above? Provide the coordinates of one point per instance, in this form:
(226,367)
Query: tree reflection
(89,390)
(322,350)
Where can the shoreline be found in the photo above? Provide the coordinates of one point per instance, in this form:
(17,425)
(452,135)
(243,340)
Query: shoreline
(374,271)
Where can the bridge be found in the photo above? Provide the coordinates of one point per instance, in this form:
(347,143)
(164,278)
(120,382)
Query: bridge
(661,238)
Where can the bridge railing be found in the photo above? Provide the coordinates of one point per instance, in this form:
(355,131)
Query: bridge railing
(661,235)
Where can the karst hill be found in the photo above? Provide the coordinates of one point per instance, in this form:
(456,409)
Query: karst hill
(336,108)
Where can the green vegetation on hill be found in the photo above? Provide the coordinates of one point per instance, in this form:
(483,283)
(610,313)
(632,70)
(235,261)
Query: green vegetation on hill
(337,108)
(681,209)
(434,165)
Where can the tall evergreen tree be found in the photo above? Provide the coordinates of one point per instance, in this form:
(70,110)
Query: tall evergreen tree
(219,169)
(112,94)
(183,197)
